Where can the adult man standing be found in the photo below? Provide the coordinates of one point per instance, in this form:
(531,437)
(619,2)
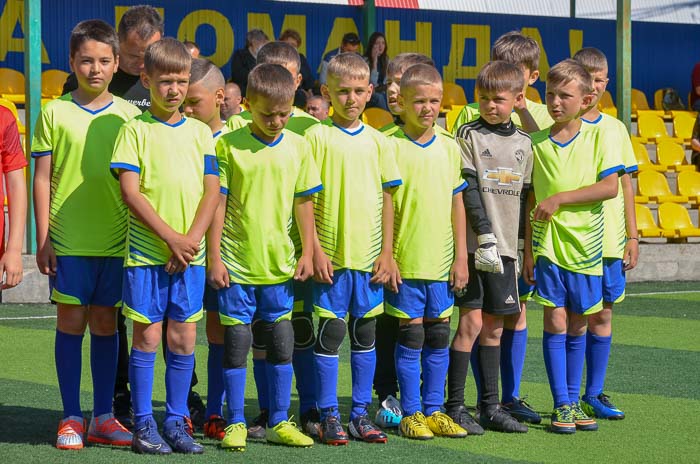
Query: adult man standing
(349,44)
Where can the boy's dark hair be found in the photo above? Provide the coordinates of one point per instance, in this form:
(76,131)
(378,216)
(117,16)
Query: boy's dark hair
(280,53)
(592,59)
(570,70)
(351,38)
(93,29)
(291,34)
(517,49)
(167,55)
(208,73)
(499,76)
(401,62)
(420,74)
(271,81)
(144,19)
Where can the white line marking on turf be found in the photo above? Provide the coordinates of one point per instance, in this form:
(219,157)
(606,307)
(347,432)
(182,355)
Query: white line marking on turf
(675,292)
(25,318)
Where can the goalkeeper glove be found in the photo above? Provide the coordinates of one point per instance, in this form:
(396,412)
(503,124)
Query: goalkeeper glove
(486,257)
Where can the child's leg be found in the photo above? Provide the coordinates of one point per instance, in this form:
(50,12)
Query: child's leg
(104,346)
(331,332)
(489,355)
(215,359)
(70,327)
(237,341)
(385,382)
(459,353)
(408,363)
(363,360)
(513,349)
(598,342)
(279,351)
(146,338)
(575,353)
(435,360)
(178,370)
(304,341)
(554,350)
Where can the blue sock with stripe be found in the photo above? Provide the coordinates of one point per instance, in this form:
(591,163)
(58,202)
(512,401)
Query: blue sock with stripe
(279,378)
(597,357)
(435,362)
(103,365)
(408,364)
(141,366)
(303,363)
(68,352)
(215,380)
(513,349)
(327,384)
(261,384)
(554,350)
(575,358)
(178,377)
(234,380)
(362,365)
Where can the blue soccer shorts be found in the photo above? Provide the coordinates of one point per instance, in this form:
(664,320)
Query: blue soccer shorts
(87,280)
(351,292)
(556,287)
(525,290)
(151,294)
(420,298)
(211,298)
(239,303)
(614,280)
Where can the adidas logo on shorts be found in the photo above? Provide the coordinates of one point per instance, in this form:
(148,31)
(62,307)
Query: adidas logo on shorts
(510,299)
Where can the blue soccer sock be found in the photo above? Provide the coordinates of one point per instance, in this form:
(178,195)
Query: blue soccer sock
(513,349)
(575,358)
(476,369)
(261,383)
(69,353)
(234,381)
(141,365)
(178,377)
(362,365)
(279,378)
(408,373)
(327,384)
(303,363)
(215,380)
(435,362)
(554,350)
(597,357)
(103,365)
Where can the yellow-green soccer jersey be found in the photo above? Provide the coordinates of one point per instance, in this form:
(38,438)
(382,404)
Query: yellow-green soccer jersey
(617,139)
(261,181)
(355,166)
(390,129)
(171,160)
(538,111)
(218,134)
(239,120)
(573,238)
(299,121)
(86,215)
(423,236)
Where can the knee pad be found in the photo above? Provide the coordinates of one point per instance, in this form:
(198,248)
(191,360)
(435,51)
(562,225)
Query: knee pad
(280,346)
(412,336)
(437,335)
(237,339)
(330,335)
(362,333)
(259,336)
(304,337)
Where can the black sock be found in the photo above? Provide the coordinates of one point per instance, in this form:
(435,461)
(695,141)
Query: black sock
(456,378)
(385,382)
(489,358)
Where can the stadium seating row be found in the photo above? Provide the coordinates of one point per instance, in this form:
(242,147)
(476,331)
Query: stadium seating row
(652,187)
(674,222)
(651,127)
(670,157)
(12,84)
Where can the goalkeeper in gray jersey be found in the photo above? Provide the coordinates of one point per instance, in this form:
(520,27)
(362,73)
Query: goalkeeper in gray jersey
(497,163)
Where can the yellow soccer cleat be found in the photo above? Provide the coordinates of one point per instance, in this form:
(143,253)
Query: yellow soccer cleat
(415,427)
(235,437)
(286,433)
(442,425)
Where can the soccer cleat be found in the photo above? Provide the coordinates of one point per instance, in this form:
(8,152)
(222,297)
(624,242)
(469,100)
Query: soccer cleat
(147,440)
(415,427)
(601,407)
(215,427)
(331,431)
(107,430)
(465,420)
(70,433)
(256,431)
(234,437)
(501,421)
(363,429)
(178,435)
(442,425)
(197,410)
(563,420)
(582,420)
(310,422)
(286,433)
(121,407)
(389,413)
(521,411)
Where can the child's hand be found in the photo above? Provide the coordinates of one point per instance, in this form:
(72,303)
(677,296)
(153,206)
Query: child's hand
(184,249)
(528,268)
(323,268)
(173,266)
(546,209)
(384,268)
(11,267)
(305,268)
(46,259)
(631,254)
(459,275)
(217,275)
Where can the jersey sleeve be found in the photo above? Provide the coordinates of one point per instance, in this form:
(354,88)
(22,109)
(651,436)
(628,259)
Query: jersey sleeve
(42,142)
(224,166)
(308,180)
(468,114)
(391,177)
(458,182)
(211,164)
(530,160)
(466,154)
(609,161)
(126,151)
(11,149)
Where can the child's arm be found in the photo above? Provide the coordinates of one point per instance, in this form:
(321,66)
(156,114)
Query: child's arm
(527,122)
(217,274)
(632,247)
(528,259)
(486,257)
(459,274)
(323,267)
(45,255)
(304,213)
(385,269)
(11,262)
(604,189)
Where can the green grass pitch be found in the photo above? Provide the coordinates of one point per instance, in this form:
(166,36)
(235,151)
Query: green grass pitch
(654,376)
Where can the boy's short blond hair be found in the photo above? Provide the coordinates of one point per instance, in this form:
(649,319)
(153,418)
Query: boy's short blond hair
(207,73)
(280,53)
(592,59)
(349,65)
(517,49)
(499,76)
(401,62)
(167,56)
(570,70)
(271,81)
(420,74)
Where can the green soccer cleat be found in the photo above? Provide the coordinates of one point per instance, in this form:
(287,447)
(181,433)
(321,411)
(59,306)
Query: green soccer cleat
(563,420)
(582,420)
(235,437)
(286,433)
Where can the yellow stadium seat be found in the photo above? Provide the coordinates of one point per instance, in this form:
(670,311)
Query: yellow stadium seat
(52,81)
(653,128)
(377,117)
(653,187)
(646,225)
(658,99)
(634,138)
(683,123)
(452,94)
(451,117)
(606,101)
(11,106)
(12,85)
(532,94)
(610,112)
(676,218)
(642,156)
(639,103)
(672,156)
(689,185)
